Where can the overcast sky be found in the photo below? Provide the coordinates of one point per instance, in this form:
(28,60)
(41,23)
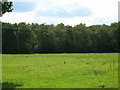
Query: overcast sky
(69,12)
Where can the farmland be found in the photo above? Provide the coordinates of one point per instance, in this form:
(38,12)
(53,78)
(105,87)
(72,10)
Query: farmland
(84,70)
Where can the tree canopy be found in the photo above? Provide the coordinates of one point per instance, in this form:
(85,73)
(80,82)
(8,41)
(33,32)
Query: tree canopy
(42,38)
(6,7)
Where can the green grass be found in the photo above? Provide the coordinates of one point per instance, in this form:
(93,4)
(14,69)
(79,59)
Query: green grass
(94,70)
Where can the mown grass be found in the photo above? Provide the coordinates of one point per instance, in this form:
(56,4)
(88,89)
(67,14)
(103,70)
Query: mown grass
(95,70)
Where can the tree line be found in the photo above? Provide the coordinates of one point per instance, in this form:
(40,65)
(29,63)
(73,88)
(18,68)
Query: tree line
(24,38)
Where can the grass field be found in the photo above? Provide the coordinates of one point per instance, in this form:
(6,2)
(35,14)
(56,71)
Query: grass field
(92,70)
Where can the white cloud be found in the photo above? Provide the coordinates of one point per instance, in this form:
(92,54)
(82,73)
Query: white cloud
(54,10)
(16,17)
(103,12)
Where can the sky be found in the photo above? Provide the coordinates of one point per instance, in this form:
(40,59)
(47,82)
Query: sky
(69,12)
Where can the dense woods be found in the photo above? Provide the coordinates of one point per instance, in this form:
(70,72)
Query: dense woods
(42,38)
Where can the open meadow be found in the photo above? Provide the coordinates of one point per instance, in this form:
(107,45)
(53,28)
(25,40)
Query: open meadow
(84,70)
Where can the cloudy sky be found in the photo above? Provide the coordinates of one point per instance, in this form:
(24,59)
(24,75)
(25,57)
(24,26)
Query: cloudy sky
(69,12)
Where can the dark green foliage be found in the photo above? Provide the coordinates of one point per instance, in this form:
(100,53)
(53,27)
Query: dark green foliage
(35,38)
(10,85)
(6,7)
(17,38)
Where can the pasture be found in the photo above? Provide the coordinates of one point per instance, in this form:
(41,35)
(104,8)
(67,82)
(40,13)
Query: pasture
(94,70)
